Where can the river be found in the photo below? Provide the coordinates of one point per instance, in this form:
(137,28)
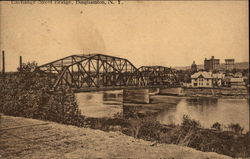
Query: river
(169,109)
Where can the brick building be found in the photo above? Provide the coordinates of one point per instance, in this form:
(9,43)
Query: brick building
(211,64)
(229,64)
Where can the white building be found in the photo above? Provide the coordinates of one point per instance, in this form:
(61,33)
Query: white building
(206,79)
(202,79)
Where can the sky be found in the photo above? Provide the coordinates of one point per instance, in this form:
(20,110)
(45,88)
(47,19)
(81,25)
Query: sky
(167,33)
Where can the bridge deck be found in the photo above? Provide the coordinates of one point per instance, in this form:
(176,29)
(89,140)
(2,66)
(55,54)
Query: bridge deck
(93,89)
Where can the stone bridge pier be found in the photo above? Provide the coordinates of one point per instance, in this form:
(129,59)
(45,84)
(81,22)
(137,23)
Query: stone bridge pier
(138,95)
(142,95)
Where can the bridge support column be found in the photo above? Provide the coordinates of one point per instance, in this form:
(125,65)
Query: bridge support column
(171,91)
(139,95)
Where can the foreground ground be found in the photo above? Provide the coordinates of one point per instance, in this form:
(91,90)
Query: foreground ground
(29,138)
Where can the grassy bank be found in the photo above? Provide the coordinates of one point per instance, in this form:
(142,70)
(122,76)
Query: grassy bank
(190,133)
(56,141)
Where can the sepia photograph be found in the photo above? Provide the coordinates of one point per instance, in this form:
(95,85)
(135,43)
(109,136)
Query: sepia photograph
(124,79)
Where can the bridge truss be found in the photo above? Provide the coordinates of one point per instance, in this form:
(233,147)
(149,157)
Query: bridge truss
(159,76)
(93,71)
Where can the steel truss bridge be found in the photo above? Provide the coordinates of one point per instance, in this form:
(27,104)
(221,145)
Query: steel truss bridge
(159,76)
(103,72)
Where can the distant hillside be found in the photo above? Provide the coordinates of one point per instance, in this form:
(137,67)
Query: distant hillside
(238,65)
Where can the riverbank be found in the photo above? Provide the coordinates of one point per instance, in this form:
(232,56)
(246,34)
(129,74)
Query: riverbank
(216,92)
(50,140)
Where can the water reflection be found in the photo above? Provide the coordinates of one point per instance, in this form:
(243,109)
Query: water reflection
(202,101)
(167,109)
(100,104)
(208,111)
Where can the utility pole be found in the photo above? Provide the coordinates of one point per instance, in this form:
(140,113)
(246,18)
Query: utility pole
(21,64)
(3,64)
(0,64)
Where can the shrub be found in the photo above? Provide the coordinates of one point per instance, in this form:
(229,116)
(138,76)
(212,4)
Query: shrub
(187,122)
(150,129)
(28,94)
(139,125)
(236,128)
(217,126)
(187,132)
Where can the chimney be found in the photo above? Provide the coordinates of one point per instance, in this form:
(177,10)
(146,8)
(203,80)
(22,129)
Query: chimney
(3,64)
(21,64)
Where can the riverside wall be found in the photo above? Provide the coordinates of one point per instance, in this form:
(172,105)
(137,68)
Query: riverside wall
(215,92)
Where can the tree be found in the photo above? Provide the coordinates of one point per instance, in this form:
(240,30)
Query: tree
(236,128)
(27,67)
(216,126)
(29,94)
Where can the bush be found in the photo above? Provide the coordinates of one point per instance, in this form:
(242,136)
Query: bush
(28,94)
(187,122)
(217,126)
(188,131)
(150,129)
(236,128)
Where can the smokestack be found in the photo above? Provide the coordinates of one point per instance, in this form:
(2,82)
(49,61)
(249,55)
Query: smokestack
(3,63)
(21,64)
(0,64)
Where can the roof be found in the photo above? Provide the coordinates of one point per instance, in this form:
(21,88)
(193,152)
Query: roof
(218,75)
(229,59)
(203,74)
(236,80)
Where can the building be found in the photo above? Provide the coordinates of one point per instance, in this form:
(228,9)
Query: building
(193,67)
(211,64)
(237,83)
(218,79)
(207,79)
(202,79)
(229,64)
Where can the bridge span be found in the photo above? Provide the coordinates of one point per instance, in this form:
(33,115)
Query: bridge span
(95,72)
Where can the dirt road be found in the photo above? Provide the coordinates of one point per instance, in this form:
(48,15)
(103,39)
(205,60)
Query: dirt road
(35,139)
